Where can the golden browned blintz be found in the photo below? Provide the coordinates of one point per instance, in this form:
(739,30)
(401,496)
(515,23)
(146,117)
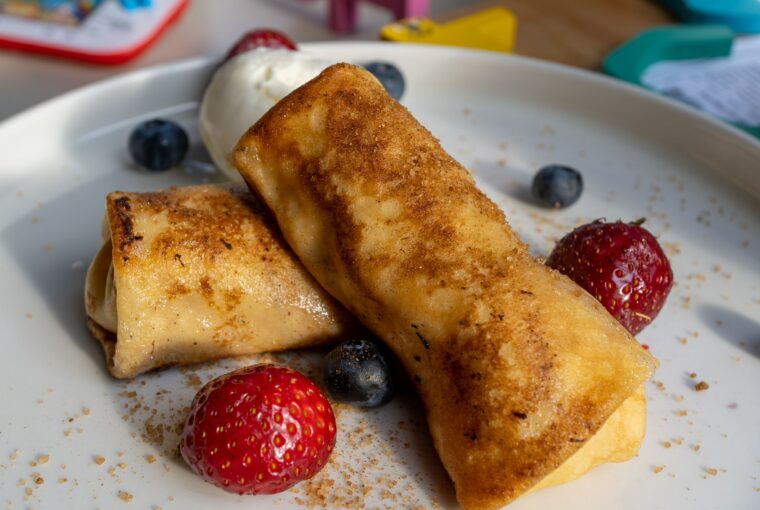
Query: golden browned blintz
(517,366)
(193,274)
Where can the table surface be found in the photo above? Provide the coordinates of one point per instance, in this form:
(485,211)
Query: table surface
(573,33)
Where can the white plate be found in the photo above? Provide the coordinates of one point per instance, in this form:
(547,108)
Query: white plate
(503,118)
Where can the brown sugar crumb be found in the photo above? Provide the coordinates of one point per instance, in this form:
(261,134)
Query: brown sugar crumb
(193,381)
(678,398)
(28,491)
(121,465)
(681,412)
(711,471)
(150,458)
(666,444)
(678,440)
(38,480)
(86,411)
(99,460)
(701,386)
(67,432)
(63,480)
(658,469)
(696,447)
(683,340)
(125,496)
(14,455)
(43,459)
(693,375)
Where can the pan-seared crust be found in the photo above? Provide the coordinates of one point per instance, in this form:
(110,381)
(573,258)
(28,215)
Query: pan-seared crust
(517,366)
(198,273)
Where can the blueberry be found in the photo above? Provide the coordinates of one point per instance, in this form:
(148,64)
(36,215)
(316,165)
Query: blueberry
(390,76)
(158,144)
(557,186)
(359,372)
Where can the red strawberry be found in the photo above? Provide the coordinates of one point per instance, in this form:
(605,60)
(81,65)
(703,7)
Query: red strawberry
(261,38)
(620,264)
(258,430)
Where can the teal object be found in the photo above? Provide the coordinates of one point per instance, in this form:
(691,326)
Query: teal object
(678,42)
(743,16)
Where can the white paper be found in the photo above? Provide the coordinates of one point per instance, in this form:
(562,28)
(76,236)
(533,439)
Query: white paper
(727,87)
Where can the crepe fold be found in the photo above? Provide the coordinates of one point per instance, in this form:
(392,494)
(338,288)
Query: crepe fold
(518,368)
(193,274)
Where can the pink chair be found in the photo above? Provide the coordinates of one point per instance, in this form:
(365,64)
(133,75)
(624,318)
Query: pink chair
(343,12)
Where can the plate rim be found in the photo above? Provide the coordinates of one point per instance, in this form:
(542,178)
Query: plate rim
(665,104)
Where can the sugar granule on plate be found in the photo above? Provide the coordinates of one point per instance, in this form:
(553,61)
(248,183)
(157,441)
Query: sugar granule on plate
(711,471)
(658,469)
(99,460)
(701,386)
(43,459)
(125,496)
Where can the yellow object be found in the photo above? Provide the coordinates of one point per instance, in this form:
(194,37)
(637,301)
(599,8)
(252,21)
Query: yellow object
(490,29)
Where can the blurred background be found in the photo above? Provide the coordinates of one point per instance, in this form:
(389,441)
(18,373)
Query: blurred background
(578,33)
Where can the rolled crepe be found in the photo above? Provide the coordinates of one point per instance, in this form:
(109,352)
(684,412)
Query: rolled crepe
(198,273)
(518,367)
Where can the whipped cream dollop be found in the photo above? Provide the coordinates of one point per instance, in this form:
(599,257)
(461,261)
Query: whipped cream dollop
(243,90)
